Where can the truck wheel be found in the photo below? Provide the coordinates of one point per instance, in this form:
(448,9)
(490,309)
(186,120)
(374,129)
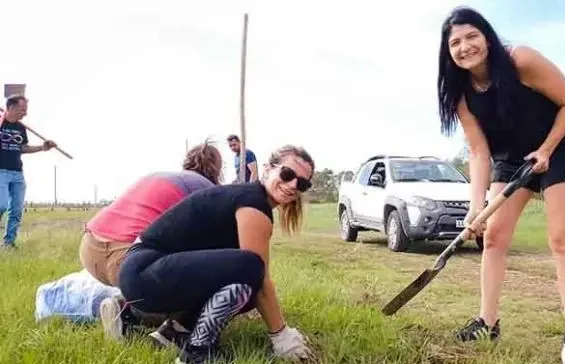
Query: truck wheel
(396,238)
(348,233)
(480,242)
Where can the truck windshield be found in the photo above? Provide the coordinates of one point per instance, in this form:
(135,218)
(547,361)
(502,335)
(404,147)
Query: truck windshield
(427,171)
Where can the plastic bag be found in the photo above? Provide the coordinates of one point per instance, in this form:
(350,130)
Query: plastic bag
(76,296)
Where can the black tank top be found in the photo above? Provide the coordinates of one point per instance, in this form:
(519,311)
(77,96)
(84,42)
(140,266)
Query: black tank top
(535,116)
(205,219)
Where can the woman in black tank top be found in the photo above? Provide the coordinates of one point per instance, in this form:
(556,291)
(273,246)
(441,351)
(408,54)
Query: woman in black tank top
(206,260)
(510,103)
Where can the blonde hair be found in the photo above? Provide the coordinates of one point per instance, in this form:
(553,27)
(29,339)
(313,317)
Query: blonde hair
(290,215)
(206,160)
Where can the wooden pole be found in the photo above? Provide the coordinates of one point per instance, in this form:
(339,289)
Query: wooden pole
(55,185)
(242,159)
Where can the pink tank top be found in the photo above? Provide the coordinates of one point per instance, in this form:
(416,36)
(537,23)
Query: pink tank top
(132,212)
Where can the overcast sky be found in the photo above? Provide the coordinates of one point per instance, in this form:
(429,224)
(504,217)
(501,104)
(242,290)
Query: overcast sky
(120,87)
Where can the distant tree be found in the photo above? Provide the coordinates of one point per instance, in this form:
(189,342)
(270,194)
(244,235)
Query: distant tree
(341,175)
(325,186)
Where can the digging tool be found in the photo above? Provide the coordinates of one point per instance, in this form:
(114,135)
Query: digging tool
(2,114)
(44,139)
(522,177)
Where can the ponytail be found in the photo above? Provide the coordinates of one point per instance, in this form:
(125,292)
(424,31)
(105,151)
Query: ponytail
(290,215)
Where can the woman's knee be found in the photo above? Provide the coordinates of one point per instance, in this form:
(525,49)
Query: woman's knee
(557,240)
(498,235)
(253,269)
(501,224)
(555,212)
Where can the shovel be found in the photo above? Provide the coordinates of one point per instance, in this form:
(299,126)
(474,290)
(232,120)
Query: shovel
(521,178)
(3,115)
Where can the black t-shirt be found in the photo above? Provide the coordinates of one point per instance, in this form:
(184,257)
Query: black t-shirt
(12,137)
(205,219)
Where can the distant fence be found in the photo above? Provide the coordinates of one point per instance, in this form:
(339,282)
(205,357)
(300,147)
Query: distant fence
(30,206)
(309,198)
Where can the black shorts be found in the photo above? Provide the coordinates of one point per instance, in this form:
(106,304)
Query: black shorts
(504,170)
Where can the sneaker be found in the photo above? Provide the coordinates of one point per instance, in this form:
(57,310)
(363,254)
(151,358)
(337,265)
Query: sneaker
(477,329)
(117,319)
(166,335)
(110,316)
(197,354)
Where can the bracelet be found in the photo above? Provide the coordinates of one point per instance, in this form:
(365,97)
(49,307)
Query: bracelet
(278,331)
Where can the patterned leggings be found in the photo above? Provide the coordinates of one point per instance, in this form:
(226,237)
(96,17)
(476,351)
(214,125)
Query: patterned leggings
(218,311)
(202,289)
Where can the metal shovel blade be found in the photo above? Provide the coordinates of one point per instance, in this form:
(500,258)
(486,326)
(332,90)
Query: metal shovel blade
(425,278)
(524,174)
(410,291)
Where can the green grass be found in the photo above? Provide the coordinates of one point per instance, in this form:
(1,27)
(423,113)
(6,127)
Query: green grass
(329,289)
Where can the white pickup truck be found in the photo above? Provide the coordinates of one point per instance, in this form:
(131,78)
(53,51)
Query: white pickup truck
(406,198)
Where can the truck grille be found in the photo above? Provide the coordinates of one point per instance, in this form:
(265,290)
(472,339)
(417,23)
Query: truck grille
(456,204)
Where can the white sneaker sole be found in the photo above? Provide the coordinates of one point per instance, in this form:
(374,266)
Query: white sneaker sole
(160,340)
(111,320)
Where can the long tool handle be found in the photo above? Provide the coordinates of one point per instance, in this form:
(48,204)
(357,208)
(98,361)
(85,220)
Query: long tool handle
(2,115)
(43,138)
(524,176)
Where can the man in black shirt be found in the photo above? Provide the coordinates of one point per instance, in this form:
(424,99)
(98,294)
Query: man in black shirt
(14,142)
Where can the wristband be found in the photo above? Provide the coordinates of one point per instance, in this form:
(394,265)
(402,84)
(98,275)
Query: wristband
(278,331)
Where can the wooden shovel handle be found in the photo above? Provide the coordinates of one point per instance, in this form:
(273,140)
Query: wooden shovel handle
(2,114)
(522,177)
(44,139)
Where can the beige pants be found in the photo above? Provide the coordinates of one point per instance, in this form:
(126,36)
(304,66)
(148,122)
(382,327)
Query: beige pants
(102,257)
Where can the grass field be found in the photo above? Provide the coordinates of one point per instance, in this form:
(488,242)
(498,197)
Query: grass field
(331,290)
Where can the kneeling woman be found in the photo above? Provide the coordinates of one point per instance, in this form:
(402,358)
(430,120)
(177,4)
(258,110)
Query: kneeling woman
(207,259)
(110,233)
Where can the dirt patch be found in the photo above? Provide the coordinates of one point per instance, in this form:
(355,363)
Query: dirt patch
(529,275)
(439,355)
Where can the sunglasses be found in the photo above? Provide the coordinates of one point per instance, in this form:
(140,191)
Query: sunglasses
(288,174)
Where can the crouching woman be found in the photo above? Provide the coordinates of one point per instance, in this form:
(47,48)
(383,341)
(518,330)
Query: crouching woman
(206,260)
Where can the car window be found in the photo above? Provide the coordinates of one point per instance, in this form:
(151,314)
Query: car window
(365,173)
(380,169)
(428,171)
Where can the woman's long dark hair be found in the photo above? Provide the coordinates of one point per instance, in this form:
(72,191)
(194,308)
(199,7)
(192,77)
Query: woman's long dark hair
(453,80)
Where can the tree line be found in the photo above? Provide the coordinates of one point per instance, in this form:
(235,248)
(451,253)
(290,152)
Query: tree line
(325,188)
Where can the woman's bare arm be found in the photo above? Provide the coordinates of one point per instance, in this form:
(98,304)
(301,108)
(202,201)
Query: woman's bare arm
(255,231)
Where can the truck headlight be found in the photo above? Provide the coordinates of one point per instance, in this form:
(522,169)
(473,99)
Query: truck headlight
(422,202)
